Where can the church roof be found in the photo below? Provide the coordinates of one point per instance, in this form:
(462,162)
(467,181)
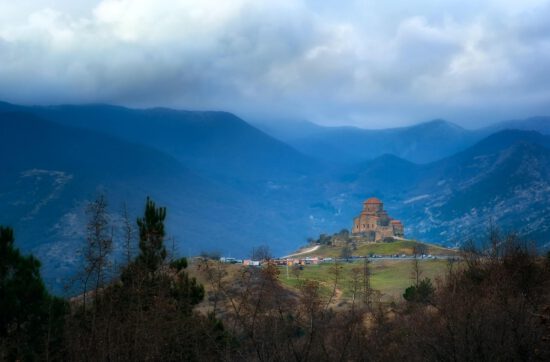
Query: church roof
(373,200)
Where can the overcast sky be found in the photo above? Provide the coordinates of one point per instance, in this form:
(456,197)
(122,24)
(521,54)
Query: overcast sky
(366,63)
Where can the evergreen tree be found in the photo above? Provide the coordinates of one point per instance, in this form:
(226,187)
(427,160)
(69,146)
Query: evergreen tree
(31,321)
(151,236)
(421,293)
(149,313)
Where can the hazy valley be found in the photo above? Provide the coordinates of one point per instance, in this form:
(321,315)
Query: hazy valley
(229,186)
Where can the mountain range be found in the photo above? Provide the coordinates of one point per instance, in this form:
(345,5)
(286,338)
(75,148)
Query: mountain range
(421,143)
(229,185)
(503,179)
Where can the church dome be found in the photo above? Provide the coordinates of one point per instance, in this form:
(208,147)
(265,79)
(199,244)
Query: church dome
(373,200)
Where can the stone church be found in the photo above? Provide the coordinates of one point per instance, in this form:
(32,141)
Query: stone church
(374,224)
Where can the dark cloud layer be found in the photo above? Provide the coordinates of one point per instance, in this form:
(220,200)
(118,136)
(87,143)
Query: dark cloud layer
(365,63)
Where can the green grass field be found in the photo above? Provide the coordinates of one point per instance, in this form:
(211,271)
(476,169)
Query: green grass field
(389,277)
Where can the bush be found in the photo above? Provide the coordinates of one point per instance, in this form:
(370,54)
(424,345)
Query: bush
(179,264)
(422,293)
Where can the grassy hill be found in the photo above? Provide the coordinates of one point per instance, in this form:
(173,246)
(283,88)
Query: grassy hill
(366,249)
(389,277)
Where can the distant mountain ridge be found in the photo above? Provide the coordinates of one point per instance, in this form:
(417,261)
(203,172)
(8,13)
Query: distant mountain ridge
(215,143)
(229,186)
(421,143)
(540,124)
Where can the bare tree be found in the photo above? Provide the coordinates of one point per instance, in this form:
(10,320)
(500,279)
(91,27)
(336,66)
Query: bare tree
(346,253)
(360,284)
(262,252)
(99,242)
(367,288)
(336,274)
(419,250)
(129,234)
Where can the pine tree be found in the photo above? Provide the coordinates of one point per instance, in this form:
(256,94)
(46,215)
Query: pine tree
(151,236)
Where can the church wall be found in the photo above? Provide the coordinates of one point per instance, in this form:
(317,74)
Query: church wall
(374,222)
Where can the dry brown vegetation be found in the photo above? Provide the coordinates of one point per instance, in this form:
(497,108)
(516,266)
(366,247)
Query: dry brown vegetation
(496,306)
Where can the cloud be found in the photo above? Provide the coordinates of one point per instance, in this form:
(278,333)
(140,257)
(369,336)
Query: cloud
(366,63)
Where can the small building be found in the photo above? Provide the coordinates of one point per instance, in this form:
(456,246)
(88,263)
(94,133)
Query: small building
(374,223)
(398,229)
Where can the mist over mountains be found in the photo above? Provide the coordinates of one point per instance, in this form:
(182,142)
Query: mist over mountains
(230,186)
(421,143)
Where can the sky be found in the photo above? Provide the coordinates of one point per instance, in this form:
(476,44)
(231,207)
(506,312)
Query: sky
(369,63)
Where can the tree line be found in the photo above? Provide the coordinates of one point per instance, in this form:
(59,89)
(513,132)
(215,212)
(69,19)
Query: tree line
(492,305)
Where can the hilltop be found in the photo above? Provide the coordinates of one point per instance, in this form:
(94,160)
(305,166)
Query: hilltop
(398,247)
(390,267)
